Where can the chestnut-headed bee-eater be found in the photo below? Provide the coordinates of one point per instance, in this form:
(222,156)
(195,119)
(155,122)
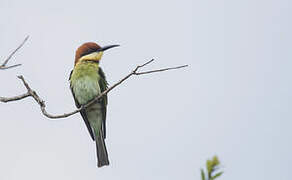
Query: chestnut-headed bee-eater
(87,81)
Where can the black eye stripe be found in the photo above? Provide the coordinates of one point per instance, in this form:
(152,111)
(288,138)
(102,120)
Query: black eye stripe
(88,51)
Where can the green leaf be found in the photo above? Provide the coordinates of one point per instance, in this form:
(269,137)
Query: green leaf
(215,161)
(203,174)
(212,165)
(209,165)
(217,175)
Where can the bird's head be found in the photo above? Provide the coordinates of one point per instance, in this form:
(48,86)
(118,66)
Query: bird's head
(91,51)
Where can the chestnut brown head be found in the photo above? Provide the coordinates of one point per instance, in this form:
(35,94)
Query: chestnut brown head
(90,51)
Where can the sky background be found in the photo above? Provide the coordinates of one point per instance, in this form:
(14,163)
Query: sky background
(234,100)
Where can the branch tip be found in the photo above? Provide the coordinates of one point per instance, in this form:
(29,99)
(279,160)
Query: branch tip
(146,63)
(3,66)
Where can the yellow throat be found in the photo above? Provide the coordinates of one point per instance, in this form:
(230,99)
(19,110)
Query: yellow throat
(95,56)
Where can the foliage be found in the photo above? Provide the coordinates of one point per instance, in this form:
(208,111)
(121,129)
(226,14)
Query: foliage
(212,166)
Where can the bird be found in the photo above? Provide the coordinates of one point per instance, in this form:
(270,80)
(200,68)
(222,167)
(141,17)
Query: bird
(87,81)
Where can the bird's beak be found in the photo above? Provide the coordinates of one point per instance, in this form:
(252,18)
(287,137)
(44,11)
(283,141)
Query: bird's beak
(107,47)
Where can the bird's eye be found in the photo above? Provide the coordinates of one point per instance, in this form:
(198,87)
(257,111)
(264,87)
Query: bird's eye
(88,51)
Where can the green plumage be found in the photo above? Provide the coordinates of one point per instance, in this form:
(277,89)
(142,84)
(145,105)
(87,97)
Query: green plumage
(87,81)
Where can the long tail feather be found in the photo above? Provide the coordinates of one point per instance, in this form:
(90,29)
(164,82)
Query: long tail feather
(101,151)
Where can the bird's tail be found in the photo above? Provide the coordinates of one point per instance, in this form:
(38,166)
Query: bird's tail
(102,157)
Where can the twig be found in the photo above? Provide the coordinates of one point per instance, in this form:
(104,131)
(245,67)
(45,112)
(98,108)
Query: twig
(15,98)
(160,70)
(3,66)
(42,104)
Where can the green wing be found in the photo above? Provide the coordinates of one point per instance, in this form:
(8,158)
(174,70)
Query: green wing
(103,86)
(82,112)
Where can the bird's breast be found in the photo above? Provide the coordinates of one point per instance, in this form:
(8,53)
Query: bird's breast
(84,83)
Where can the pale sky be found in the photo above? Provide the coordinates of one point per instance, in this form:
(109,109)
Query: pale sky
(233,100)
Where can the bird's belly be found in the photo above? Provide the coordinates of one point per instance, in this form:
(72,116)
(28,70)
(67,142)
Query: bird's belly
(85,89)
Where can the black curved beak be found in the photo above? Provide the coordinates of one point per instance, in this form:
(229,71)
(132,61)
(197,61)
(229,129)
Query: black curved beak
(107,47)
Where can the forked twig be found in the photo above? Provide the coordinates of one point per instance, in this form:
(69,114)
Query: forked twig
(3,66)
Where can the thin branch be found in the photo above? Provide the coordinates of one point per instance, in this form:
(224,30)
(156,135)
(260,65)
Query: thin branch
(15,98)
(10,56)
(3,66)
(35,96)
(8,67)
(160,70)
(145,64)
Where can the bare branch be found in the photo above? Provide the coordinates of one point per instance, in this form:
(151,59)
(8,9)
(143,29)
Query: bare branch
(42,104)
(15,98)
(145,64)
(8,67)
(3,66)
(160,70)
